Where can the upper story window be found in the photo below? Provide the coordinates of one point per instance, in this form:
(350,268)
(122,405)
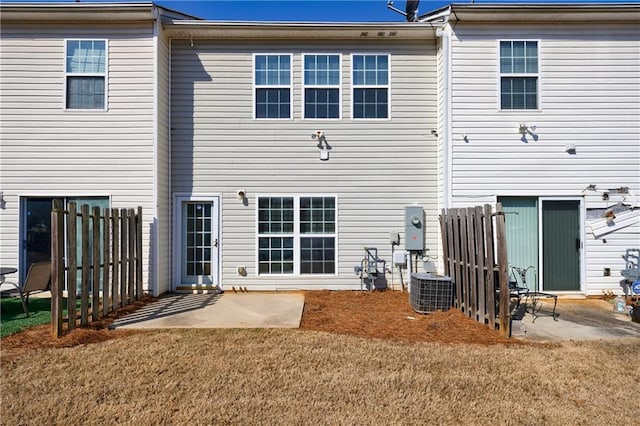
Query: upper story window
(321,86)
(86,74)
(297,235)
(272,79)
(518,75)
(370,86)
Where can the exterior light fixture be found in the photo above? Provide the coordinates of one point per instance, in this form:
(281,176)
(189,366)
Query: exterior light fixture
(323,145)
(522,129)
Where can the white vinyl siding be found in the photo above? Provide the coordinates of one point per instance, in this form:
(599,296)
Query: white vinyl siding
(587,102)
(375,169)
(47,151)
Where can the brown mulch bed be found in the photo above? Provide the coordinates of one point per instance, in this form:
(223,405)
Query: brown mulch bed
(40,336)
(389,315)
(381,315)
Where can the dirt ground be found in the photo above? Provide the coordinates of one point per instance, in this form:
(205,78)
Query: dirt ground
(382,315)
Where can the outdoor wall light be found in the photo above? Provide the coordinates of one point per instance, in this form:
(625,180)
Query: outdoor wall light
(3,203)
(323,145)
(241,194)
(523,129)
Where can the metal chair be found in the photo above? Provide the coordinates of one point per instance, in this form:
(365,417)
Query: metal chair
(531,296)
(38,279)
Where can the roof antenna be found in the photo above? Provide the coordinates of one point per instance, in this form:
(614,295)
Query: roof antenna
(411,10)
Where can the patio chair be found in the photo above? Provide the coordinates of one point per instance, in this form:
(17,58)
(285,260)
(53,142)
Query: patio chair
(518,285)
(38,279)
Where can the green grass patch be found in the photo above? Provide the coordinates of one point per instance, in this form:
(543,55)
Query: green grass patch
(13,319)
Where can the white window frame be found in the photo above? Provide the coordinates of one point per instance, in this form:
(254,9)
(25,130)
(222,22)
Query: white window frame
(369,86)
(311,86)
(105,75)
(271,86)
(296,235)
(537,75)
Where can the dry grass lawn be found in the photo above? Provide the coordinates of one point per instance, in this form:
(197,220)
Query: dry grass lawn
(318,377)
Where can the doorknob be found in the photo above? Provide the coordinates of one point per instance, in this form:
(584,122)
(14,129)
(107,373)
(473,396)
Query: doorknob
(215,242)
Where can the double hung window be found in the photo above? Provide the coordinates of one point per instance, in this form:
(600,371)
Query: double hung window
(86,74)
(321,86)
(370,86)
(518,75)
(272,79)
(296,235)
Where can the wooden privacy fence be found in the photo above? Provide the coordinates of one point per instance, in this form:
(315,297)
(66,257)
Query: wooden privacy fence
(475,257)
(103,260)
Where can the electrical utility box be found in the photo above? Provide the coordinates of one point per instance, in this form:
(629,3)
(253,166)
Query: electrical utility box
(414,228)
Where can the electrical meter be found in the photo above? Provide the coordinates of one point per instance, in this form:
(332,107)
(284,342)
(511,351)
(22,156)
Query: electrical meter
(414,228)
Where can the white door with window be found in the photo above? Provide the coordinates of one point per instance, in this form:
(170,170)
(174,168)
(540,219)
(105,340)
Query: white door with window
(196,240)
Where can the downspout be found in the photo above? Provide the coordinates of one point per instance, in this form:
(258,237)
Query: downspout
(447,150)
(170,217)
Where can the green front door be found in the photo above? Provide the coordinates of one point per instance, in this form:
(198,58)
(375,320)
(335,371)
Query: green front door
(561,245)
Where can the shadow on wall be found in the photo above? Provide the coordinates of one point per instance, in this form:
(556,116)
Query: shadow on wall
(186,71)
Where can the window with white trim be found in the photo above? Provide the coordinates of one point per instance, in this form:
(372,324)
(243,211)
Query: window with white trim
(518,75)
(370,86)
(86,74)
(321,82)
(296,235)
(272,79)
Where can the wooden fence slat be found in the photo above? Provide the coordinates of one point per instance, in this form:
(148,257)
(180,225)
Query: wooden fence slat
(490,263)
(505,316)
(115,240)
(57,266)
(72,264)
(95,263)
(452,267)
(106,261)
(84,302)
(473,272)
(139,253)
(124,267)
(457,255)
(132,254)
(480,256)
(464,249)
(445,242)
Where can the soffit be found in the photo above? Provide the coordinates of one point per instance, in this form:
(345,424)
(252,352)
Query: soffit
(299,31)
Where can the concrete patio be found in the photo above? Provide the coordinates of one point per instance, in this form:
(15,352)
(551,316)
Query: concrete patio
(227,310)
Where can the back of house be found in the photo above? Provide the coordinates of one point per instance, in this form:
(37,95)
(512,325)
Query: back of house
(296,146)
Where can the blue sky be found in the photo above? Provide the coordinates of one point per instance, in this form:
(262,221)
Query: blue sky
(314,10)
(320,10)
